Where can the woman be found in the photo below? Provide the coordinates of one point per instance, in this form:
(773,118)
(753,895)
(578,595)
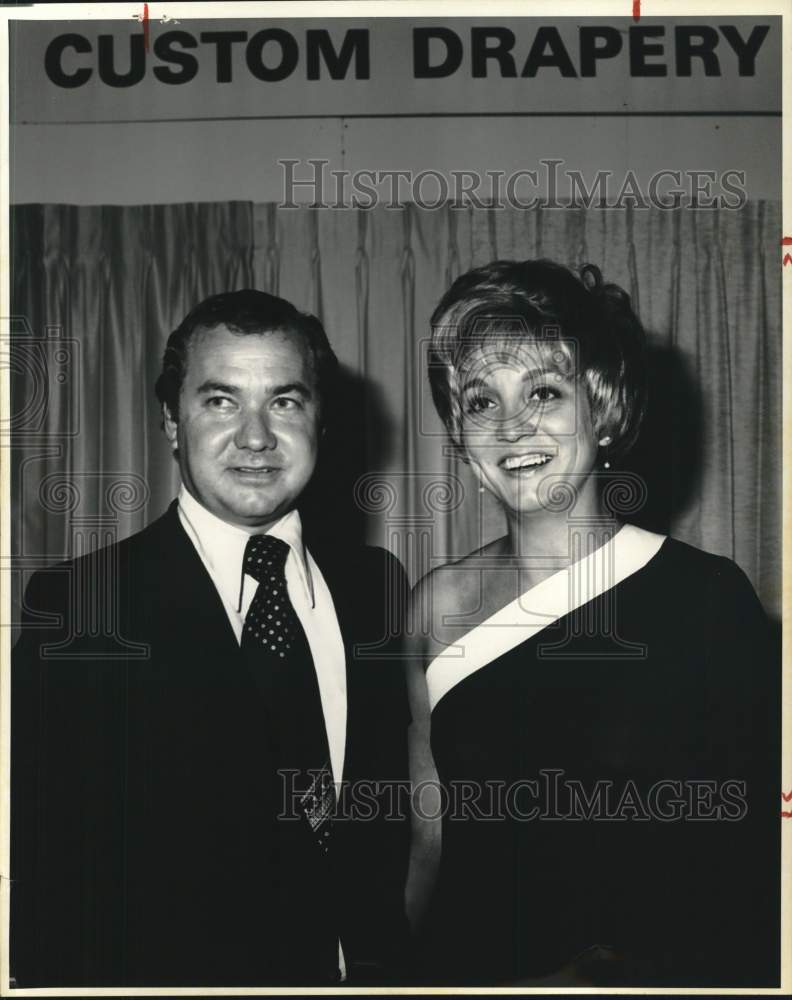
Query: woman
(601,706)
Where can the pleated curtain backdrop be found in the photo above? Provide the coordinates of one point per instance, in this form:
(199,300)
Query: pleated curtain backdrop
(96,290)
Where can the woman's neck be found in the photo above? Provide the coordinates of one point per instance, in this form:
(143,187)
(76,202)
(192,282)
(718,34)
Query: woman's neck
(543,542)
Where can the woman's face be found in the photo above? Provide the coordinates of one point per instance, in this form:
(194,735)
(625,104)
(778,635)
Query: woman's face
(525,421)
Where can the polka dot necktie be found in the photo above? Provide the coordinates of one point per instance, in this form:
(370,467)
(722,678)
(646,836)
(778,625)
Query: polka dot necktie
(274,641)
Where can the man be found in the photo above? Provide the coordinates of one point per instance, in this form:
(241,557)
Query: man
(176,818)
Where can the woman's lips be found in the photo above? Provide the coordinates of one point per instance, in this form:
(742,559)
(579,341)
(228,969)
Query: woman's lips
(525,464)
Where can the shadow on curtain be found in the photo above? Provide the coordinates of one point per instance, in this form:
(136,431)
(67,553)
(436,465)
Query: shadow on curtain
(96,290)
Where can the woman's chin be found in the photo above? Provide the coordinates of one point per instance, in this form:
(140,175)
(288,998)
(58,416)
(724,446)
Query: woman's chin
(515,492)
(520,502)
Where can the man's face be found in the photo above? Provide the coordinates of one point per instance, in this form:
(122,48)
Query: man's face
(248,428)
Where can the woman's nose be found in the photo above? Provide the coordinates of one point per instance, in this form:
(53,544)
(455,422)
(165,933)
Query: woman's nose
(518,423)
(254,432)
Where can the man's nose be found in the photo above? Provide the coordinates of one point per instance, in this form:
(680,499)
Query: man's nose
(255,433)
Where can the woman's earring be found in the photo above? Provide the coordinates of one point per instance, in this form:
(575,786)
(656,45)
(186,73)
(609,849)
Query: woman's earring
(603,443)
(481,489)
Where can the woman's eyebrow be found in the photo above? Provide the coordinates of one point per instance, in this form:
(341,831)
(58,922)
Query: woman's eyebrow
(474,383)
(529,376)
(535,373)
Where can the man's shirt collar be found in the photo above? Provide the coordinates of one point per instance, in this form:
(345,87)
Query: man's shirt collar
(223,544)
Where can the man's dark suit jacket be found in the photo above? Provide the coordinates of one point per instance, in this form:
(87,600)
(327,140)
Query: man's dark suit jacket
(144,849)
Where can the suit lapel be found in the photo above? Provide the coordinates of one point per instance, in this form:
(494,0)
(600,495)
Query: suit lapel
(185,595)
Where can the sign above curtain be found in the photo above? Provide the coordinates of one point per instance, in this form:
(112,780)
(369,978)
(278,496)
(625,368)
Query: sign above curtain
(171,70)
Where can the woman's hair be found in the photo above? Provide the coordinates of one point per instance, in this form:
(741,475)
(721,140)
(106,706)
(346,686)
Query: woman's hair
(588,327)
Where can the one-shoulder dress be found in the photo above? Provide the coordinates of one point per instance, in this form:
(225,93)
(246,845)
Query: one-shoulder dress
(608,750)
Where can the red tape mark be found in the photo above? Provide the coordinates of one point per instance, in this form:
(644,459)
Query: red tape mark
(786,796)
(145,27)
(787,259)
(786,241)
(636,10)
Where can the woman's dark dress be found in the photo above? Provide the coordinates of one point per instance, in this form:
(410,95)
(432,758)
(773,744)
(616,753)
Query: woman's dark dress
(682,901)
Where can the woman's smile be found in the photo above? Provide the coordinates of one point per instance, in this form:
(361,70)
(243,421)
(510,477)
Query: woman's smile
(526,463)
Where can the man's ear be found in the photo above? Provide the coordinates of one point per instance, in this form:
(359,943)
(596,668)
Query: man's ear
(170,426)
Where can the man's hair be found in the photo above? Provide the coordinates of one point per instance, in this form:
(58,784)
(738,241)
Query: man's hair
(248,311)
(586,327)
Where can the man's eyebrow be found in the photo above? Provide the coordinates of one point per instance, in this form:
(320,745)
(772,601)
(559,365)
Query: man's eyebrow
(212,386)
(278,390)
(299,387)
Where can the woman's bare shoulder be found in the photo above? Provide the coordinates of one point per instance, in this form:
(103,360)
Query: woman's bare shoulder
(449,582)
(448,591)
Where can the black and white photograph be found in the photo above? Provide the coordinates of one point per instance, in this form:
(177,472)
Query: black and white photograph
(392,498)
